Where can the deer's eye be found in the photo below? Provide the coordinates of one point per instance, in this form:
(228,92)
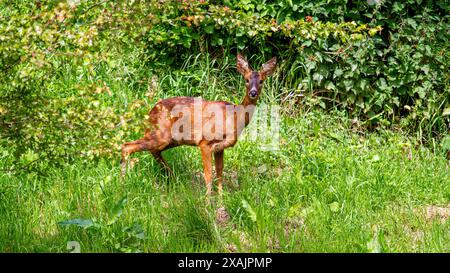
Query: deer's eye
(260,82)
(246,80)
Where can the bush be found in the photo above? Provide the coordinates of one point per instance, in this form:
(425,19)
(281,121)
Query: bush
(379,60)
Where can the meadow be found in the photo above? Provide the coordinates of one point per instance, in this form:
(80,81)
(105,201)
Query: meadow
(332,186)
(362,163)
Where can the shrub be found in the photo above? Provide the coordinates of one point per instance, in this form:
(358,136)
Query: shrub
(379,60)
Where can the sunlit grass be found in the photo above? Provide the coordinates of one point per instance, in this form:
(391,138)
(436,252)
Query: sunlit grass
(331,187)
(315,195)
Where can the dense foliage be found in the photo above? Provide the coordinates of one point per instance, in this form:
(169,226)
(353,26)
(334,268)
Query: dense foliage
(62,63)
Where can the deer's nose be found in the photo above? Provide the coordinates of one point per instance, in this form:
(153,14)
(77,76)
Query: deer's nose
(253,93)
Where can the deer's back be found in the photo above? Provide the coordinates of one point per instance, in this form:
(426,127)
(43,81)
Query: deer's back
(166,113)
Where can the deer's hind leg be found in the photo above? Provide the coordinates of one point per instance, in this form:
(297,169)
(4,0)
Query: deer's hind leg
(158,156)
(129,148)
(155,142)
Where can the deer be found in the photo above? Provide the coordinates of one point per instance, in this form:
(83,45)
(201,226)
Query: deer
(187,121)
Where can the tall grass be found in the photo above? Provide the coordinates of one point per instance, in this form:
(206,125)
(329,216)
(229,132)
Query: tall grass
(331,187)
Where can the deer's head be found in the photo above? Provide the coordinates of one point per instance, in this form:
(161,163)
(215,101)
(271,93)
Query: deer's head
(254,79)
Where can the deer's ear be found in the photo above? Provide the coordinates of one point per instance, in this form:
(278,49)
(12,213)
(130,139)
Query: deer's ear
(242,65)
(268,68)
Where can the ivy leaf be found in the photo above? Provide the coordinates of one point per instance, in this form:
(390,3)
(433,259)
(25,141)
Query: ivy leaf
(330,85)
(360,103)
(382,84)
(310,65)
(363,84)
(335,47)
(318,77)
(348,84)
(337,73)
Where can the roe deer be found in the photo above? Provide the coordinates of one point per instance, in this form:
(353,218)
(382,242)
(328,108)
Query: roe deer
(166,131)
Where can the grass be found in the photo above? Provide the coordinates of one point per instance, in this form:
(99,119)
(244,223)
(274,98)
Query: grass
(331,187)
(348,193)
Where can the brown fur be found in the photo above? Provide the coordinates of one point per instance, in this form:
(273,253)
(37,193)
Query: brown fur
(159,137)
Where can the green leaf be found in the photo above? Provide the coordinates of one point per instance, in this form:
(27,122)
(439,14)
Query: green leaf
(425,69)
(398,6)
(136,231)
(363,84)
(335,47)
(373,31)
(322,104)
(420,91)
(249,209)
(209,29)
(116,212)
(348,84)
(337,73)
(446,143)
(382,84)
(330,85)
(360,102)
(318,77)
(307,43)
(28,157)
(412,23)
(310,65)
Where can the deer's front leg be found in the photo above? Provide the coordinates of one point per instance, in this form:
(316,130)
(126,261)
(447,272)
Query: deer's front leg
(218,159)
(207,167)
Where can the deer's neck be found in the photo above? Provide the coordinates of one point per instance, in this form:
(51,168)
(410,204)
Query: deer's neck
(247,101)
(247,107)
